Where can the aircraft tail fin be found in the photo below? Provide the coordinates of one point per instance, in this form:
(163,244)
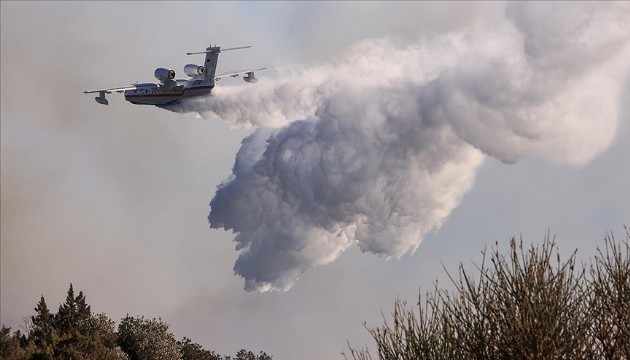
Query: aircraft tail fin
(212,56)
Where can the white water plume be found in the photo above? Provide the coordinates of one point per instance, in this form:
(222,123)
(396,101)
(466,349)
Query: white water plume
(378,146)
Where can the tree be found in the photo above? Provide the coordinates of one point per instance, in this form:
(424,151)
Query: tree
(194,351)
(248,355)
(245,355)
(142,338)
(80,334)
(526,305)
(10,348)
(75,333)
(72,333)
(43,334)
(102,327)
(73,313)
(610,299)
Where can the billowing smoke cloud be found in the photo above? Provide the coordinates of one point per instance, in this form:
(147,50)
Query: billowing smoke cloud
(378,146)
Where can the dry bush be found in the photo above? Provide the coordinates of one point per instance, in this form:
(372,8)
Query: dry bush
(528,304)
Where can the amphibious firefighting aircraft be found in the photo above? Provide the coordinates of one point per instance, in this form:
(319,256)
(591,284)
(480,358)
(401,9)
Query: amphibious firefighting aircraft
(170,90)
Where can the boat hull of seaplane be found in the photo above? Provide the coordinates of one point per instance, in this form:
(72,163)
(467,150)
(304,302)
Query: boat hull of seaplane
(152,94)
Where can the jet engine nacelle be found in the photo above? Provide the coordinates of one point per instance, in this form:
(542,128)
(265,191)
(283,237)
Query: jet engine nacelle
(164,74)
(250,77)
(193,70)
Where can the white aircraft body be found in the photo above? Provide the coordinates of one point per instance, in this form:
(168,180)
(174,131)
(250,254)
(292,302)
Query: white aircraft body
(170,90)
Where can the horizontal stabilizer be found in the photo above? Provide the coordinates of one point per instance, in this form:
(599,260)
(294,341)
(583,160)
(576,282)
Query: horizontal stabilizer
(217,50)
(237,73)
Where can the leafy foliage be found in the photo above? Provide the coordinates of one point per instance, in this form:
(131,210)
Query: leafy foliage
(10,348)
(527,305)
(75,333)
(194,351)
(147,339)
(248,355)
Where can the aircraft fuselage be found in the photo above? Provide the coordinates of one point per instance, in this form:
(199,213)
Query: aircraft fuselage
(157,94)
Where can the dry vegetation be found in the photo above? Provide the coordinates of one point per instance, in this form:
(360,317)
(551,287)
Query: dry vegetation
(528,304)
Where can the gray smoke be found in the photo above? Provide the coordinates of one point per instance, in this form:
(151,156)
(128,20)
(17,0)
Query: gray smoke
(377,146)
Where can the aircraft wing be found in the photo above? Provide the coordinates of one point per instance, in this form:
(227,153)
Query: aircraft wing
(237,73)
(110,90)
(101,93)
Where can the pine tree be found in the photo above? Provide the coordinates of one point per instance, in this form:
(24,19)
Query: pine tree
(73,312)
(10,348)
(82,335)
(43,334)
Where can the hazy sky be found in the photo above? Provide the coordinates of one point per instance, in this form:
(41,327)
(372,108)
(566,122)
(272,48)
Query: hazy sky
(115,199)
